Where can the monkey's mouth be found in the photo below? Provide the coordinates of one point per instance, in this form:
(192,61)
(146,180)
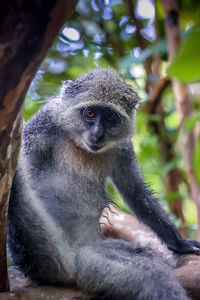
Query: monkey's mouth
(94,147)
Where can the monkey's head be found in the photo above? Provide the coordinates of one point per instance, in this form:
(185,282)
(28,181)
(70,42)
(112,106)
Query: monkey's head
(99,109)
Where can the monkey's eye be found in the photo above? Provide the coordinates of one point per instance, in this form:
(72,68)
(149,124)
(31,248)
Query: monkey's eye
(90,113)
(110,117)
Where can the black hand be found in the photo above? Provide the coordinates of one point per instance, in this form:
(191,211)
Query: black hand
(186,246)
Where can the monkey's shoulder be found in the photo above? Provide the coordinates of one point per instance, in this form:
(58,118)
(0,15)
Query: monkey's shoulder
(39,132)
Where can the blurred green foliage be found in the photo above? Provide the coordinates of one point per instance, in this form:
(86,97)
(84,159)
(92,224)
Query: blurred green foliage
(186,64)
(102,33)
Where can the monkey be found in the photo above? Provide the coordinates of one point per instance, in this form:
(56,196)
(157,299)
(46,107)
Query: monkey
(70,147)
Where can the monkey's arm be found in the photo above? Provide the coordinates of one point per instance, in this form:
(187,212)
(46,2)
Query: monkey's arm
(139,198)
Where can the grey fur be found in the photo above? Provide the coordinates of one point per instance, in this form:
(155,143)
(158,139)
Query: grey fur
(58,195)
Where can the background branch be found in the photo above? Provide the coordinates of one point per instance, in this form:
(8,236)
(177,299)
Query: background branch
(154,106)
(182,101)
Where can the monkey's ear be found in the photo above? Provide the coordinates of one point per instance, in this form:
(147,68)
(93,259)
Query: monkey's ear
(67,88)
(67,83)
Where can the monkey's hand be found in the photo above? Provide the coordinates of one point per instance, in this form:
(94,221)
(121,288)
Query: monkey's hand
(186,246)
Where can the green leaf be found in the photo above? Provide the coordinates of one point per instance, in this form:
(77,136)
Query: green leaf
(189,212)
(159,48)
(186,63)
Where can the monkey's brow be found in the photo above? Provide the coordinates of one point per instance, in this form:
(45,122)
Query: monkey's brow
(100,107)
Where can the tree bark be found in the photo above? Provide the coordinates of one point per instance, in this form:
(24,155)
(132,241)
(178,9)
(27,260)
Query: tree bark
(27,30)
(182,101)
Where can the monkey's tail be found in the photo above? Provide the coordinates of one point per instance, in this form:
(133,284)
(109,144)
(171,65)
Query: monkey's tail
(114,270)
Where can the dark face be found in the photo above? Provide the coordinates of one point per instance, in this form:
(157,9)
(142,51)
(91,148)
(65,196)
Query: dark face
(101,125)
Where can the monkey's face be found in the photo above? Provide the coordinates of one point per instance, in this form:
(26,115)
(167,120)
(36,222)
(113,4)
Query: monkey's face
(99,110)
(103,128)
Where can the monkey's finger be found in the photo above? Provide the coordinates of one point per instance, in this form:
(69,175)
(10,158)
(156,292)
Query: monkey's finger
(196,250)
(196,244)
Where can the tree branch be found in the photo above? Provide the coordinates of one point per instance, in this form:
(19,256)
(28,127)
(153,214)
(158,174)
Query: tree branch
(174,177)
(156,94)
(182,101)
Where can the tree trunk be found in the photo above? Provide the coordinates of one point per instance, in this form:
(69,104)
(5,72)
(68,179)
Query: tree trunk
(27,30)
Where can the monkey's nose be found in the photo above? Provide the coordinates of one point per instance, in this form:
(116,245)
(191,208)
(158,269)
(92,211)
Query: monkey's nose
(95,139)
(97,133)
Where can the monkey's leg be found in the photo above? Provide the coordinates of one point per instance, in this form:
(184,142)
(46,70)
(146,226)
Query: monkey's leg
(115,269)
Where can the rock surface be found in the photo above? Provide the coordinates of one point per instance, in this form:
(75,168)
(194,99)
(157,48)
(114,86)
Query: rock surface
(188,273)
(22,289)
